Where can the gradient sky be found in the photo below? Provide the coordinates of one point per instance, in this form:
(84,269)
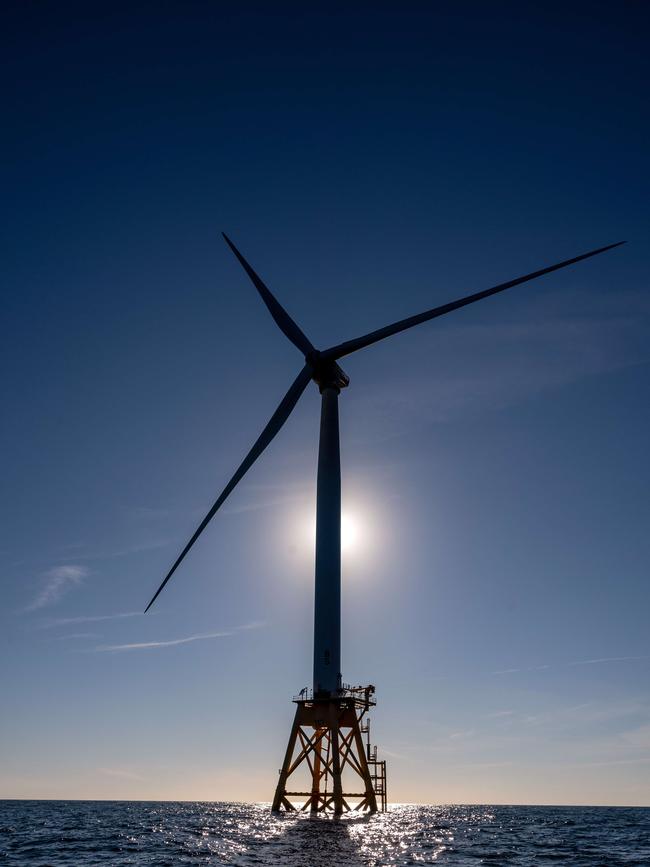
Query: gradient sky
(370,164)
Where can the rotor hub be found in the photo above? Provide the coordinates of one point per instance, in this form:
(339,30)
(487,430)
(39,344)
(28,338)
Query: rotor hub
(326,372)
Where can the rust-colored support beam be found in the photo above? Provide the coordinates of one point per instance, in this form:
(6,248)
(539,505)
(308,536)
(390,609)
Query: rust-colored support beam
(370,799)
(326,739)
(336,759)
(316,776)
(279,798)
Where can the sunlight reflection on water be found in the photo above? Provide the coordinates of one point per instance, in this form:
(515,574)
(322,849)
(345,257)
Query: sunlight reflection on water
(167,834)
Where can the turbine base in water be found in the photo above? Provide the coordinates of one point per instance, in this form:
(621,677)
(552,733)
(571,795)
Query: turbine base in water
(328,768)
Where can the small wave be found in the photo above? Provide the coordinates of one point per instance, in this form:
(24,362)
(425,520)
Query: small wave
(60,833)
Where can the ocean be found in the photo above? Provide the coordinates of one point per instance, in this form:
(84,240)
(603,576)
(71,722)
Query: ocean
(166,834)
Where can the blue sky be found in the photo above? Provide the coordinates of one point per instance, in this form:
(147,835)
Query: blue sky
(370,164)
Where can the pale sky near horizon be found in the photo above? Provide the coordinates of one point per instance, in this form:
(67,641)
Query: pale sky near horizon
(370,164)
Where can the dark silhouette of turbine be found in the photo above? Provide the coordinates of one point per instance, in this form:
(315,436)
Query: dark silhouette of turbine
(321,366)
(328,724)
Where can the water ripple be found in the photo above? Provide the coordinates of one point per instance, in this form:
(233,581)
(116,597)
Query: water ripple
(116,834)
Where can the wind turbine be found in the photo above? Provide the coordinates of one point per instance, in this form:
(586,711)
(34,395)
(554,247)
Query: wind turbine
(330,719)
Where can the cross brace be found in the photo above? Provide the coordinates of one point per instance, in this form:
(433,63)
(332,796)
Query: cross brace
(326,739)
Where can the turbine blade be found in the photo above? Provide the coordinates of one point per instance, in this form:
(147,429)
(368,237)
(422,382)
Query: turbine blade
(350,346)
(278,418)
(282,319)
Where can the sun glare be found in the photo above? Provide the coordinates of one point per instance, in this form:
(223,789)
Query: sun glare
(352,535)
(349,532)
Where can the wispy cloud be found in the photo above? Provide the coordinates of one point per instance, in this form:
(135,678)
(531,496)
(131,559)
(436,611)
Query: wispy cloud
(569,664)
(58,581)
(636,761)
(580,716)
(391,754)
(467,733)
(77,635)
(121,773)
(126,550)
(93,618)
(256,496)
(260,504)
(81,552)
(609,659)
(264,496)
(173,642)
(508,361)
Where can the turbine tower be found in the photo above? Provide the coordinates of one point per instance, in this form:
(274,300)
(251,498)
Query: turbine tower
(331,718)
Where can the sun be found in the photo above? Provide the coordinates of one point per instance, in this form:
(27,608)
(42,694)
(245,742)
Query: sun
(349,532)
(352,535)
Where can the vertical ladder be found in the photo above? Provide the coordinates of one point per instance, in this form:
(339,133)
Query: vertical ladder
(376,767)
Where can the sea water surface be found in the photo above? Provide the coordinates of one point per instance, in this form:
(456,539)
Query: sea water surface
(166,834)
